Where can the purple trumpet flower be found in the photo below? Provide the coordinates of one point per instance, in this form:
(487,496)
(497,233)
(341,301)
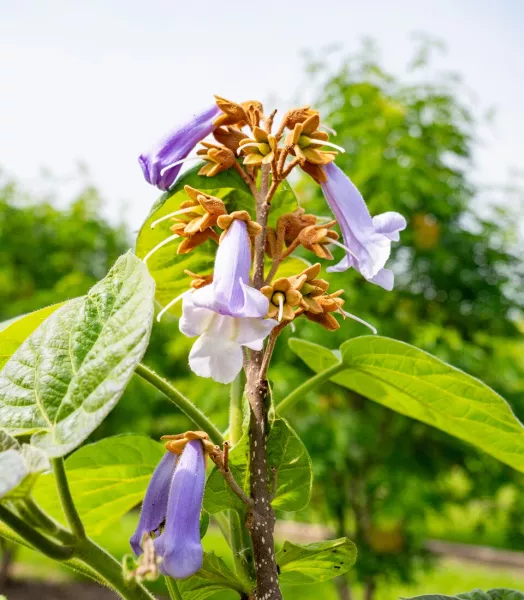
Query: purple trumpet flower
(229,294)
(174,497)
(227,314)
(367,240)
(163,162)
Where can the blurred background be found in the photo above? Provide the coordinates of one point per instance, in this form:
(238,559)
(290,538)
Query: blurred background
(426,97)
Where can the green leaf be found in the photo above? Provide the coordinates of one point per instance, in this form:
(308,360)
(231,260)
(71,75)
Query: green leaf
(107,479)
(290,460)
(503,594)
(317,562)
(166,266)
(20,465)
(423,387)
(17,330)
(495,594)
(66,377)
(213,577)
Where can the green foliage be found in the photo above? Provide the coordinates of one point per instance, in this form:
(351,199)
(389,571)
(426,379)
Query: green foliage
(166,266)
(496,594)
(317,562)
(50,254)
(214,576)
(422,387)
(17,330)
(64,379)
(288,462)
(20,465)
(107,479)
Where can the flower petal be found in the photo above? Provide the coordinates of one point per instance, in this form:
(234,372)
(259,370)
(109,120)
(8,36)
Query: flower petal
(368,240)
(176,146)
(385,279)
(252,332)
(390,224)
(154,506)
(216,357)
(183,553)
(195,320)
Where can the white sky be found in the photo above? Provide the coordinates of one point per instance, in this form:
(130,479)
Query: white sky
(100,80)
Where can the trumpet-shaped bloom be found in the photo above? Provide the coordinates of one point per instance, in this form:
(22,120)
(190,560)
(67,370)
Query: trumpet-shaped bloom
(228,313)
(174,498)
(367,240)
(163,162)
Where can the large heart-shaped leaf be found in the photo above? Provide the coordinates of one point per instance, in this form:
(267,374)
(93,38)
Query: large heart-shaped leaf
(213,577)
(423,387)
(495,594)
(20,465)
(288,461)
(313,563)
(166,266)
(65,378)
(18,329)
(107,479)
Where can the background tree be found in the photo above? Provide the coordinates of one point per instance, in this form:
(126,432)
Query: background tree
(409,144)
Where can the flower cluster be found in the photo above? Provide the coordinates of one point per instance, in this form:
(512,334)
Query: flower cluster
(235,308)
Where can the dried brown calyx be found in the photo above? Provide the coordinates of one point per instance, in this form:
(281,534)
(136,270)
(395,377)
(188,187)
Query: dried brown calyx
(253,228)
(230,137)
(310,288)
(283,298)
(198,281)
(329,304)
(317,238)
(262,149)
(176,443)
(217,158)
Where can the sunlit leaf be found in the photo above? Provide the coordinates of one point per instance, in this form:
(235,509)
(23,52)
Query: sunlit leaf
(15,331)
(317,562)
(66,377)
(166,266)
(213,577)
(107,479)
(288,461)
(20,465)
(423,387)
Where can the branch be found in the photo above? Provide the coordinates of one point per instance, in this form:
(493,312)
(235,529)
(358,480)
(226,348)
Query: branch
(66,500)
(309,385)
(179,400)
(34,537)
(220,458)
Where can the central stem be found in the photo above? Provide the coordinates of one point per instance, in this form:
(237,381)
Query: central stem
(261,518)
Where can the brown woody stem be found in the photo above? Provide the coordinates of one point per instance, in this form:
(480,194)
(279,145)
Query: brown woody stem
(261,517)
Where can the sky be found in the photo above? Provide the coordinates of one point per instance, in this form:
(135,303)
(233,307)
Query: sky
(99,81)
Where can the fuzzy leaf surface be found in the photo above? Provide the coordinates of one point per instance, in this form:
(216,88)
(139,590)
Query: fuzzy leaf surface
(418,385)
(71,371)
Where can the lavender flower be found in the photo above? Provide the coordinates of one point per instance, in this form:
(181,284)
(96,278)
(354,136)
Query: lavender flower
(367,240)
(228,313)
(163,162)
(174,497)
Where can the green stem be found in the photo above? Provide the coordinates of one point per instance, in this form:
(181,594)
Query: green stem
(235,408)
(172,588)
(223,524)
(34,537)
(237,547)
(68,506)
(309,385)
(236,536)
(183,403)
(44,521)
(111,570)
